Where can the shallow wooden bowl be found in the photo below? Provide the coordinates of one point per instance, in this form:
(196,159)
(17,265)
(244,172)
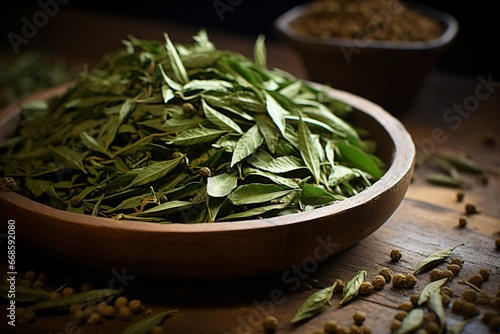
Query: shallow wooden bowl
(219,250)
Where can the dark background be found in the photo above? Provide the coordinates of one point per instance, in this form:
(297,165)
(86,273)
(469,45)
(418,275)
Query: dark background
(472,53)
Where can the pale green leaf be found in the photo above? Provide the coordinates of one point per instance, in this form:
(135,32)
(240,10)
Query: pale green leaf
(257,193)
(247,144)
(219,119)
(221,185)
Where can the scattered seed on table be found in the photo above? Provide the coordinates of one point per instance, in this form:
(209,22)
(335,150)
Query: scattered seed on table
(339,287)
(454,268)
(330,327)
(30,276)
(124,313)
(406,306)
(387,274)
(38,284)
(378,282)
(396,255)
(94,319)
(476,280)
(457,305)
(270,324)
(494,323)
(135,306)
(157,330)
(457,261)
(470,295)
(470,209)
(497,243)
(462,222)
(469,310)
(445,299)
(395,324)
(436,274)
(398,280)
(460,196)
(400,315)
(487,315)
(446,290)
(485,273)
(67,291)
(365,288)
(26,283)
(121,301)
(86,286)
(410,281)
(359,317)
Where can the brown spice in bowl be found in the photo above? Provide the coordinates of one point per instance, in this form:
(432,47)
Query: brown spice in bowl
(367,20)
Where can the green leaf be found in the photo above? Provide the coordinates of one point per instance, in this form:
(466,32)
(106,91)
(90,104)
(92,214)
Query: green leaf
(172,124)
(340,174)
(434,259)
(170,82)
(145,325)
(68,157)
(166,208)
(221,185)
(281,164)
(276,112)
(446,181)
(24,294)
(359,159)
(259,53)
(458,327)
(154,171)
(77,298)
(316,196)
(257,193)
(462,163)
(351,289)
(92,144)
(178,68)
(271,177)
(314,304)
(247,144)
(411,322)
(254,212)
(268,131)
(196,136)
(433,286)
(208,85)
(36,186)
(435,304)
(219,119)
(308,151)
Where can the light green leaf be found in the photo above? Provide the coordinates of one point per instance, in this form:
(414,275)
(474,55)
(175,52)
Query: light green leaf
(254,212)
(166,208)
(78,298)
(276,112)
(433,286)
(68,157)
(36,186)
(208,85)
(316,196)
(221,185)
(359,159)
(219,119)
(178,68)
(257,193)
(412,321)
(314,304)
(170,82)
(196,136)
(259,52)
(308,151)
(145,325)
(268,131)
(434,259)
(92,144)
(281,164)
(247,144)
(155,171)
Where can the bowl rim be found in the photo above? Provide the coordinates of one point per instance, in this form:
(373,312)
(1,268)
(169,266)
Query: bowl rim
(282,26)
(403,162)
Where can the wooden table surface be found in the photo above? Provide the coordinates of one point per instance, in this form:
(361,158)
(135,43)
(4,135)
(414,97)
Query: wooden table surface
(426,221)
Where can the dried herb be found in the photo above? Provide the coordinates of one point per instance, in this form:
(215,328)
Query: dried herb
(351,288)
(434,259)
(435,304)
(145,325)
(446,181)
(433,286)
(24,294)
(314,304)
(78,298)
(411,322)
(187,133)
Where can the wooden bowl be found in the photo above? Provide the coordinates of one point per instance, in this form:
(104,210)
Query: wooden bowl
(389,73)
(219,250)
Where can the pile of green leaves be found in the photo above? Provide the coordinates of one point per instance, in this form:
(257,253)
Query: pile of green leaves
(166,132)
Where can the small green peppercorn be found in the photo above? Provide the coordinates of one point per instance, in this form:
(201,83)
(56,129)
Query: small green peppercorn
(406,306)
(30,276)
(476,280)
(400,315)
(124,313)
(330,327)
(365,288)
(485,273)
(487,315)
(387,274)
(378,282)
(470,209)
(398,280)
(205,171)
(436,274)
(76,201)
(270,324)
(494,323)
(396,255)
(457,305)
(410,281)
(136,306)
(470,295)
(359,317)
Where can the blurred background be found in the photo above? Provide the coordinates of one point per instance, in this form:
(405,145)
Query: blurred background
(80,31)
